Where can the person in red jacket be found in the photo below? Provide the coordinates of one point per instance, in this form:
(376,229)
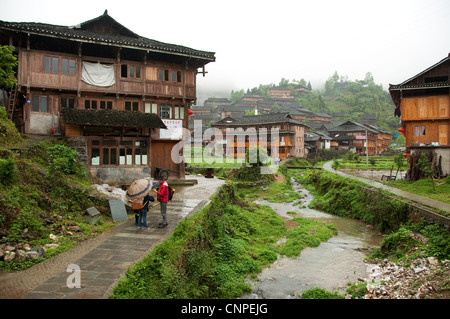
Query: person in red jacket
(163,198)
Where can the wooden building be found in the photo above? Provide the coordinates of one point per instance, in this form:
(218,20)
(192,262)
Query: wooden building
(354,136)
(383,138)
(289,141)
(121,98)
(423,104)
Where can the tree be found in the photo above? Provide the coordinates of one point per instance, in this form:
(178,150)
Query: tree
(8,63)
(236,96)
(369,78)
(426,167)
(335,165)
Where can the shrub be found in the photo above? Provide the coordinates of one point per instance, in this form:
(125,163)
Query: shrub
(320,293)
(8,171)
(63,159)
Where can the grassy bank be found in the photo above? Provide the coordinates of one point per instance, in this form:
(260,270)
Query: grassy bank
(346,197)
(434,189)
(350,198)
(43,190)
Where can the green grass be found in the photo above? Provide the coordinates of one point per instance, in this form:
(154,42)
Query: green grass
(424,187)
(378,163)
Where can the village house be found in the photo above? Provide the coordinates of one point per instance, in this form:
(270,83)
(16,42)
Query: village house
(216,101)
(354,136)
(422,102)
(121,99)
(383,138)
(289,141)
(280,92)
(316,141)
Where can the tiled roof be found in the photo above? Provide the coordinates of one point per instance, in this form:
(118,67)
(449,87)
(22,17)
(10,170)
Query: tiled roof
(351,126)
(266,119)
(124,38)
(407,84)
(115,118)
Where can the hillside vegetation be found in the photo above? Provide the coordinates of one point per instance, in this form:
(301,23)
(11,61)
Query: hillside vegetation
(44,191)
(340,97)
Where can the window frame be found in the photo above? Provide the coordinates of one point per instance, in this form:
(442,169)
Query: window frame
(98,103)
(170,75)
(37,100)
(131,71)
(112,152)
(132,105)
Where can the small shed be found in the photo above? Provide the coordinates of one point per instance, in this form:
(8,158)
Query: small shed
(91,215)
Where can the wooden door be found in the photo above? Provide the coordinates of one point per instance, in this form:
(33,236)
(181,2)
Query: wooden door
(161,158)
(443,134)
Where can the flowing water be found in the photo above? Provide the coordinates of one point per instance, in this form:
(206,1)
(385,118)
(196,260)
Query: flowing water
(331,265)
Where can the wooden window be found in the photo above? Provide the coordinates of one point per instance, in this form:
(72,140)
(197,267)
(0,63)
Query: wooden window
(154,108)
(132,106)
(176,76)
(181,112)
(55,65)
(165,111)
(178,112)
(40,104)
(419,130)
(98,103)
(151,108)
(131,71)
(51,64)
(106,105)
(124,70)
(135,72)
(68,102)
(112,152)
(68,66)
(166,75)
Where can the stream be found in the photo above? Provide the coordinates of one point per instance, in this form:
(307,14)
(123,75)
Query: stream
(331,265)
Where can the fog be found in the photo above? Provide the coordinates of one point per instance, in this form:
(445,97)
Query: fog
(260,41)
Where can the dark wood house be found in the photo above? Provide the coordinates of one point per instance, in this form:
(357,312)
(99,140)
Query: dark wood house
(354,136)
(289,140)
(121,98)
(423,104)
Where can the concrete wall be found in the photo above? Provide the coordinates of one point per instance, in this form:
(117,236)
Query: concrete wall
(42,123)
(443,151)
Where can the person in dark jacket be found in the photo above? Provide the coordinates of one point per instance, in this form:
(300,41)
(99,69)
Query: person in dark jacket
(142,213)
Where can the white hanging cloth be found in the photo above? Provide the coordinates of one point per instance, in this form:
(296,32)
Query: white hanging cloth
(98,74)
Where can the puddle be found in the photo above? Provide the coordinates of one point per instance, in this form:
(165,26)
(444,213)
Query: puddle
(331,265)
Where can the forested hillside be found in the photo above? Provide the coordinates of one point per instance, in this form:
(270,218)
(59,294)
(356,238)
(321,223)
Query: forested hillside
(339,97)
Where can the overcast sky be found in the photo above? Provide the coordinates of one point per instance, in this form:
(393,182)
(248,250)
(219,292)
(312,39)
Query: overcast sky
(261,42)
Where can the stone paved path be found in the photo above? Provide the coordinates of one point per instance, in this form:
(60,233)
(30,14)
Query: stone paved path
(102,266)
(101,261)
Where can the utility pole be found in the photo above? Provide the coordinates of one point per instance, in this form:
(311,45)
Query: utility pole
(367,151)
